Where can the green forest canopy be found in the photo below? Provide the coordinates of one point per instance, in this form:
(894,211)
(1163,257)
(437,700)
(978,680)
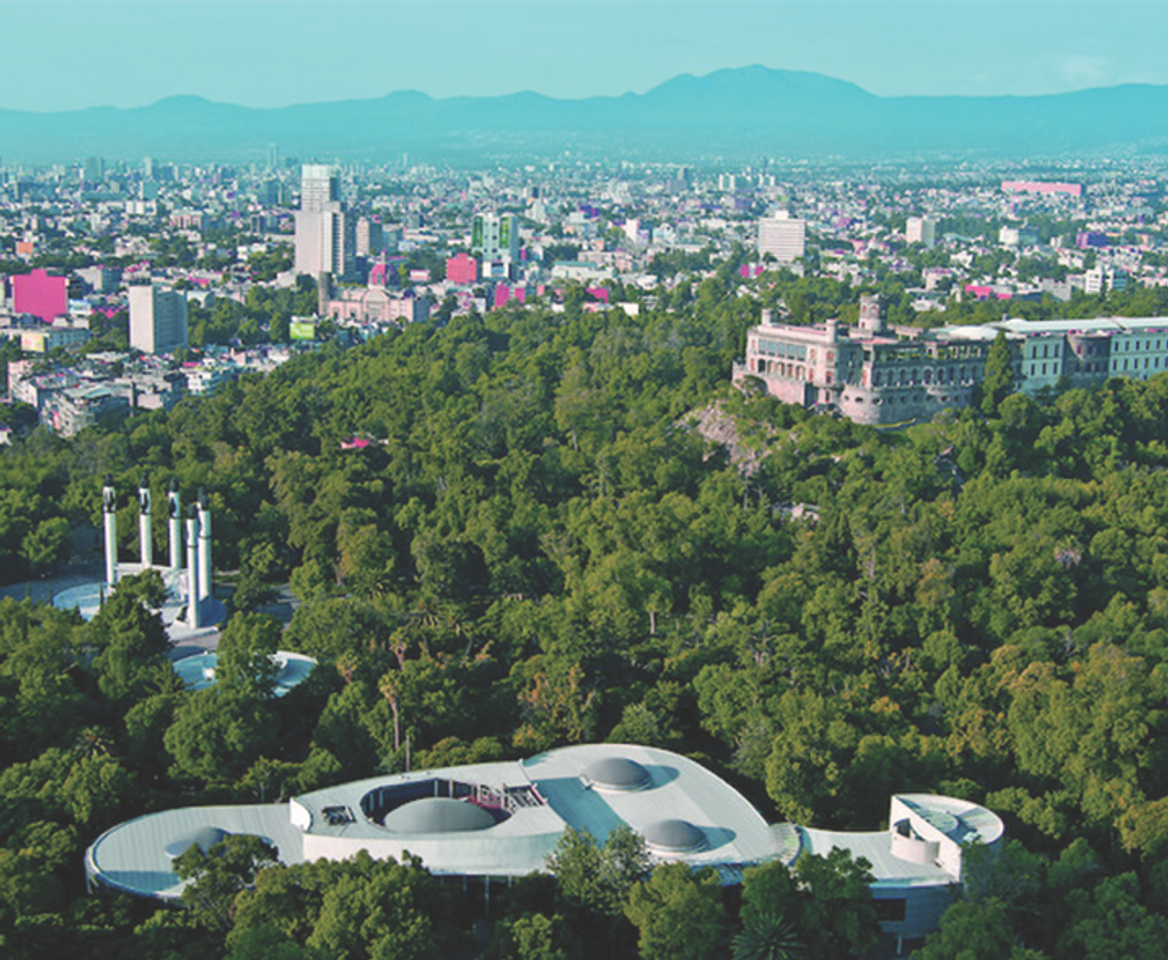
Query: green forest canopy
(538,550)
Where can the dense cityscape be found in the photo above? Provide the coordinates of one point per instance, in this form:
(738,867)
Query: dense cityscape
(260,258)
(604,527)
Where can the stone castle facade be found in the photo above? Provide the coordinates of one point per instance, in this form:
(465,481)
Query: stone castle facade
(873,374)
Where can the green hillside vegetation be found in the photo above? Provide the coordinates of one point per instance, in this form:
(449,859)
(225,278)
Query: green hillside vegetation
(535,551)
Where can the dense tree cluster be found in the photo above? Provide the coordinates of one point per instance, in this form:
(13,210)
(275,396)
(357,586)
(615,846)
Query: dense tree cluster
(537,549)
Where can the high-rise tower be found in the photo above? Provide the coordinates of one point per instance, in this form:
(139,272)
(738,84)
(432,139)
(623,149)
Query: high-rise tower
(325,233)
(320,185)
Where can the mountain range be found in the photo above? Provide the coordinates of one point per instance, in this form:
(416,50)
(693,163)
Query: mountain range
(739,113)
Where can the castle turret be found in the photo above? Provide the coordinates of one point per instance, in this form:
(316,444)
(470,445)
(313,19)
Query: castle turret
(871,316)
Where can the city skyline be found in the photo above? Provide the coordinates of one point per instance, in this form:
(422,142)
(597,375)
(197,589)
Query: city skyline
(114,53)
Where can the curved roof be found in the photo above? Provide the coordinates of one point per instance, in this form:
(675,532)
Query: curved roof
(618,774)
(438,815)
(674,836)
(682,809)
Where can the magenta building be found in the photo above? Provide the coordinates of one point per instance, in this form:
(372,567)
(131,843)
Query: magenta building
(462,268)
(504,293)
(1042,187)
(41,295)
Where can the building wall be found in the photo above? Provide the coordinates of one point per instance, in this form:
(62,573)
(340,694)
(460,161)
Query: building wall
(462,269)
(320,184)
(40,295)
(876,377)
(495,237)
(782,237)
(325,242)
(921,230)
(1042,187)
(1139,355)
(158,320)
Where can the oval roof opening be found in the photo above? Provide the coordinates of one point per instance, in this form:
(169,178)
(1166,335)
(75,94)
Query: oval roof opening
(205,838)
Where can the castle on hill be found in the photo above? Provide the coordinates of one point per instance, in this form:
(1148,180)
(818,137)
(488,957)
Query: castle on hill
(878,375)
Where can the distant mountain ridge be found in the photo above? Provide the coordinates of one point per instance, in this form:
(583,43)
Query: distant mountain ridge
(738,113)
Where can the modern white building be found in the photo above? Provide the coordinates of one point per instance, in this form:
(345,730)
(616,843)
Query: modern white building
(320,185)
(782,236)
(497,821)
(917,861)
(326,238)
(158,320)
(921,230)
(494,239)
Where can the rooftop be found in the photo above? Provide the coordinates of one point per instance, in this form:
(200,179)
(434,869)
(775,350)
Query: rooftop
(505,819)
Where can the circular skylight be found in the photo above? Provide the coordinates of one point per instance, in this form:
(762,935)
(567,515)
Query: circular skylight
(618,774)
(674,836)
(438,815)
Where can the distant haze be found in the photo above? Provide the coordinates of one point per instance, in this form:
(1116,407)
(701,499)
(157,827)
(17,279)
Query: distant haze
(73,55)
(738,114)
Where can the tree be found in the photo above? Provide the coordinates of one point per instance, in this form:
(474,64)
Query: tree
(217,875)
(218,733)
(597,878)
(999,375)
(823,907)
(382,910)
(678,914)
(975,931)
(768,935)
(837,916)
(246,650)
(131,638)
(532,936)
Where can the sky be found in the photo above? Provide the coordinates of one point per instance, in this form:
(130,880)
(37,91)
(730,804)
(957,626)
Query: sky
(72,54)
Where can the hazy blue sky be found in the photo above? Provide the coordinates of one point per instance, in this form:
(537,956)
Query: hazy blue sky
(63,55)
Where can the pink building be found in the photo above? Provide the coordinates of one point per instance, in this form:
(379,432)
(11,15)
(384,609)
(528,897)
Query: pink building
(378,305)
(503,293)
(979,291)
(41,295)
(1043,187)
(462,268)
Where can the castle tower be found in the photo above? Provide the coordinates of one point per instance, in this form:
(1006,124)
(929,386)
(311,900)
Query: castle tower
(871,315)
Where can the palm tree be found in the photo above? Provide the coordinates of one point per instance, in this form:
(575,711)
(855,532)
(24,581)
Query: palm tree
(768,936)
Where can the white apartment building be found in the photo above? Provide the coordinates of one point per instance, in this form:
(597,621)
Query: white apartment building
(158,320)
(921,230)
(782,236)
